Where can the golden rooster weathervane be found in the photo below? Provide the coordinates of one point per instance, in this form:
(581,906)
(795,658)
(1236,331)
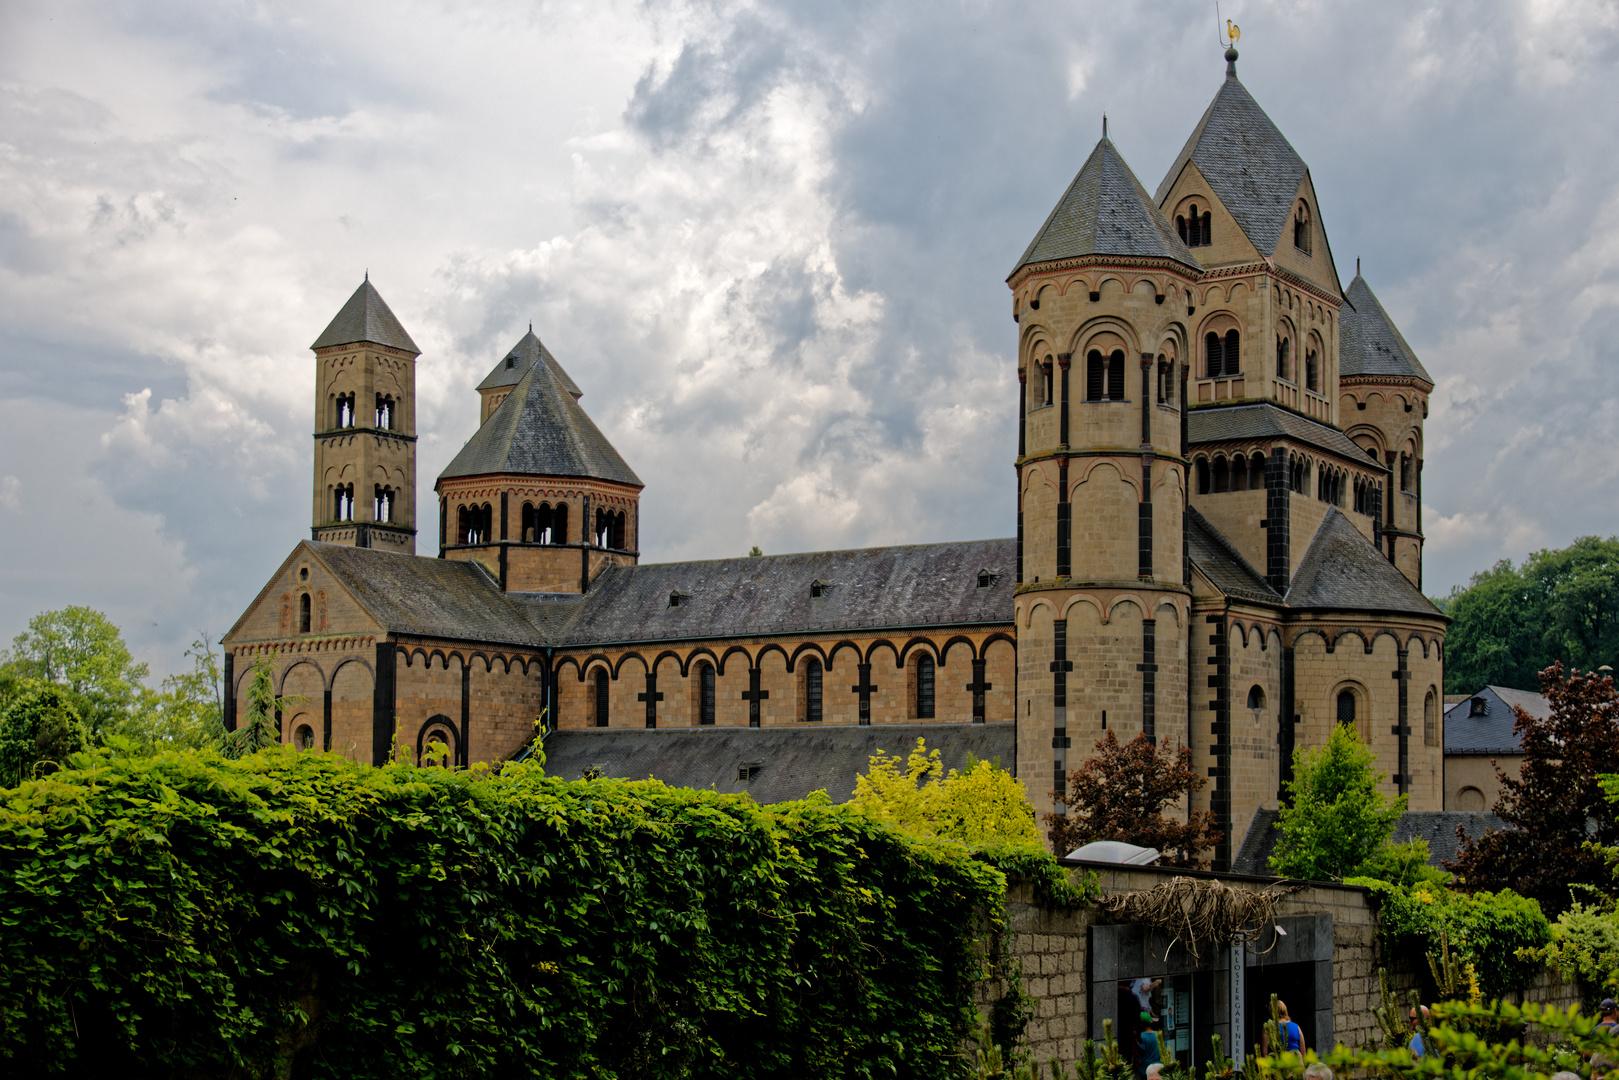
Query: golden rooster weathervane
(1228,35)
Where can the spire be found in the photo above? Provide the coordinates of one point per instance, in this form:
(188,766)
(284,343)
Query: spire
(1106,211)
(366,317)
(1369,344)
(522,356)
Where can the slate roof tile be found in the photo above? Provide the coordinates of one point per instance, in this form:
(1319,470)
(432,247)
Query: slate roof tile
(1222,565)
(1240,422)
(1106,211)
(791,761)
(540,430)
(411,594)
(1342,571)
(1253,169)
(515,364)
(1493,733)
(1369,344)
(868,588)
(366,317)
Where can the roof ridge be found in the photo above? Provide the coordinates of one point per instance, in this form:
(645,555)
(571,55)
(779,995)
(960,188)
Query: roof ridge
(825,551)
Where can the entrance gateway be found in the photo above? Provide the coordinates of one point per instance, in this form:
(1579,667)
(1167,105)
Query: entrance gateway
(1225,987)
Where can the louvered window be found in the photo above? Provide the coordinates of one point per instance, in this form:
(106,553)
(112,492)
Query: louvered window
(812,691)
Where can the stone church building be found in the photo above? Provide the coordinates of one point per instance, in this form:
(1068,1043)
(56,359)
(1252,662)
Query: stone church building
(1218,540)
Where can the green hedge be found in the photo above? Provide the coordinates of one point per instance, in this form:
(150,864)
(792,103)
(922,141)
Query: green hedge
(297,914)
(1484,928)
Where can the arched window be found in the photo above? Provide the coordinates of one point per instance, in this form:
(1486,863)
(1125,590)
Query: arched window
(1312,372)
(1470,798)
(1239,473)
(1104,377)
(1214,356)
(1222,475)
(343,502)
(1405,472)
(345,411)
(1193,227)
(1050,397)
(385,412)
(812,690)
(1233,353)
(705,694)
(382,504)
(437,730)
(559,523)
(1224,355)
(1282,347)
(1202,476)
(601,697)
(1430,719)
(303,613)
(621,531)
(303,737)
(924,687)
(1301,227)
(1346,706)
(1256,472)
(529,531)
(1256,697)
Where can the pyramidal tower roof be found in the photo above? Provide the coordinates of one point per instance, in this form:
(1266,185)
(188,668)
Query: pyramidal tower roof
(366,317)
(540,430)
(1106,211)
(1253,169)
(527,352)
(1369,344)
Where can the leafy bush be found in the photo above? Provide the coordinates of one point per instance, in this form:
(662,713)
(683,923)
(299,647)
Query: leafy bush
(1335,819)
(39,727)
(979,804)
(1120,794)
(293,912)
(1484,929)
(1585,946)
(1402,864)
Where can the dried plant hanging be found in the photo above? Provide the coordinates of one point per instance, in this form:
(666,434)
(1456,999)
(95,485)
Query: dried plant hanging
(1198,912)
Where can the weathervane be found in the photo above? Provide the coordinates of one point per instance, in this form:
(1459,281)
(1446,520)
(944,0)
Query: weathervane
(1228,36)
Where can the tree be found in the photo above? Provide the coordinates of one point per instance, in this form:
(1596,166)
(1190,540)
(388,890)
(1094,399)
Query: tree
(39,728)
(980,804)
(1560,605)
(264,706)
(1555,805)
(1121,793)
(1335,820)
(186,713)
(81,649)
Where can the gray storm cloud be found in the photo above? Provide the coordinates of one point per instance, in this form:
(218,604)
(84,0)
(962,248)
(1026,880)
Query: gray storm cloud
(768,241)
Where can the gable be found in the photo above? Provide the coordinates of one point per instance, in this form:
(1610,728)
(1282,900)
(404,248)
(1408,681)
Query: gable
(1316,266)
(274,613)
(1229,244)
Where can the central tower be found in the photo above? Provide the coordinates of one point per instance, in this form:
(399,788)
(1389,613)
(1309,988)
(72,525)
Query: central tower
(1102,601)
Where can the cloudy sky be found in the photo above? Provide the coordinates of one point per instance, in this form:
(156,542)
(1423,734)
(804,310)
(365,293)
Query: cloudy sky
(768,239)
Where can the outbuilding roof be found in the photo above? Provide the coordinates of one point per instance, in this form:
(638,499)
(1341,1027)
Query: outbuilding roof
(1237,423)
(773,764)
(1106,211)
(1491,731)
(1343,571)
(820,591)
(1369,344)
(1438,827)
(540,430)
(1253,169)
(366,317)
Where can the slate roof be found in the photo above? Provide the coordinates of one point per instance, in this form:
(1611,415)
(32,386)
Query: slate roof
(867,588)
(1369,344)
(1253,169)
(792,761)
(540,430)
(515,364)
(1438,827)
(412,594)
(1343,571)
(1493,732)
(1106,211)
(1240,422)
(1221,564)
(366,317)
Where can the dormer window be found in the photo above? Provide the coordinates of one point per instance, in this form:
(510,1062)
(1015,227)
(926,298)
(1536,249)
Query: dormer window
(1301,227)
(678,598)
(818,589)
(987,578)
(1478,707)
(511,362)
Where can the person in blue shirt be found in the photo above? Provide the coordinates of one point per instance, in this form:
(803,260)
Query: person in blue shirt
(1417,1047)
(1146,1047)
(1292,1034)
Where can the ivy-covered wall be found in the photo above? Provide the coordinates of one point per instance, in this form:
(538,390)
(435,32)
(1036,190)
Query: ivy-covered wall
(295,914)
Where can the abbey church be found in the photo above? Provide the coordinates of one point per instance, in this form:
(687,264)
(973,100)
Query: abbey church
(1218,541)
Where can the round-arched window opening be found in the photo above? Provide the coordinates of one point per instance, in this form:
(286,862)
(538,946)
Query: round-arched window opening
(303,573)
(1256,698)
(1470,798)
(304,737)
(1346,706)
